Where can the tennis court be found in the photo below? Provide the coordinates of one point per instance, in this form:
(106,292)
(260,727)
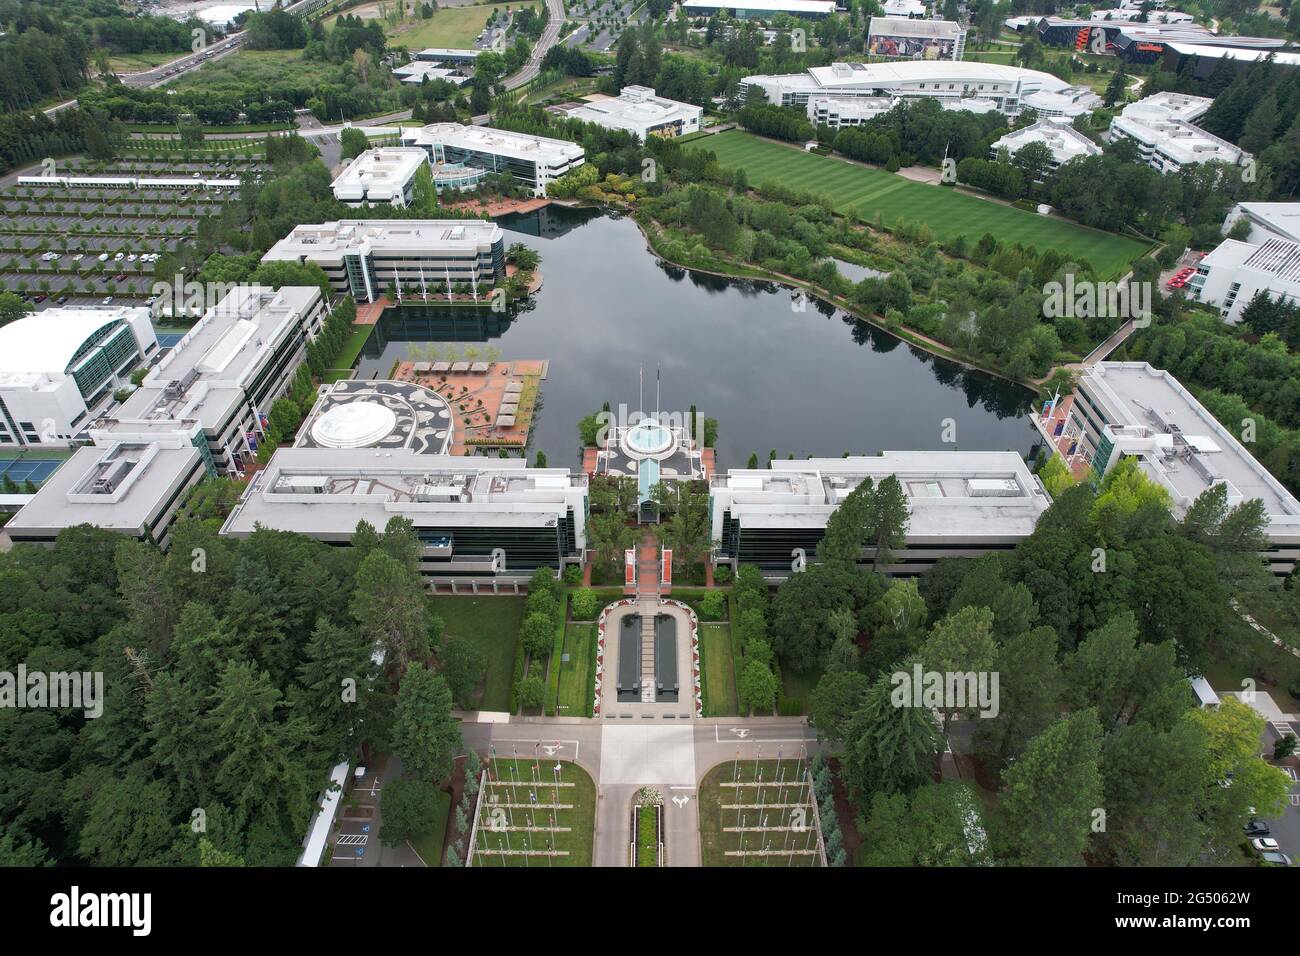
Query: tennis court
(23,469)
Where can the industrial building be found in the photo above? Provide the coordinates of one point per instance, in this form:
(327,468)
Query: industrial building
(382,175)
(366,258)
(535,161)
(483,522)
(59,367)
(904,38)
(200,412)
(638,110)
(963,504)
(1130,408)
(1009,88)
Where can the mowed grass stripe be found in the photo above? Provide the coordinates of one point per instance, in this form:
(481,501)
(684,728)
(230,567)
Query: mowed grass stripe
(873,192)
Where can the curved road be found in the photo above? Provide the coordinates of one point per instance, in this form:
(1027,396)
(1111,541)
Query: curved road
(550,36)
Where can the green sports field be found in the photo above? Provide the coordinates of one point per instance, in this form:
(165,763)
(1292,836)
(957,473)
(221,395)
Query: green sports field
(870,192)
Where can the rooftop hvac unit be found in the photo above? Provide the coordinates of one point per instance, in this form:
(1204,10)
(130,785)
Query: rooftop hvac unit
(437,493)
(301,485)
(108,482)
(992,487)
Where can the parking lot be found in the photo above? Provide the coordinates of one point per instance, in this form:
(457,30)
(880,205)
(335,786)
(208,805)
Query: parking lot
(63,245)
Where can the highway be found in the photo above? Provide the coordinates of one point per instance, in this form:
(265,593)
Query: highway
(550,36)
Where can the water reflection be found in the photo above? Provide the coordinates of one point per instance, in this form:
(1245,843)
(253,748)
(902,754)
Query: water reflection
(776,377)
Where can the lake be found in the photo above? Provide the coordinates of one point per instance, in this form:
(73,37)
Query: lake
(810,382)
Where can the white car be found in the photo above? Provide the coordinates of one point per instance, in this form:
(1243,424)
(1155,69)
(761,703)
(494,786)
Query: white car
(132,257)
(1265,844)
(103,257)
(119,257)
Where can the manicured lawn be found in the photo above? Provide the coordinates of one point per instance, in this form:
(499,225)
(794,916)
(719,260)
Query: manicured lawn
(577,674)
(454,27)
(719,670)
(719,815)
(871,192)
(512,783)
(647,837)
(429,845)
(352,348)
(493,624)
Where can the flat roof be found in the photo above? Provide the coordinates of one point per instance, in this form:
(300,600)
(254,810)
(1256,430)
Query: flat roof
(914,27)
(1282,218)
(1182,142)
(328,490)
(1141,397)
(144,473)
(432,236)
(1065,142)
(774,6)
(205,373)
(1233,53)
(387,167)
(921,71)
(1168,105)
(485,139)
(980,495)
(634,107)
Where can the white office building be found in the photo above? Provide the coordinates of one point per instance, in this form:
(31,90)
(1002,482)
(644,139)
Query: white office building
(1067,102)
(1182,107)
(1155,16)
(1061,139)
(1007,87)
(61,366)
(1234,272)
(366,258)
(483,523)
(836,112)
(1268,220)
(536,161)
(201,411)
(382,175)
(963,504)
(1168,144)
(638,110)
(1130,408)
(913,9)
(417,71)
(761,9)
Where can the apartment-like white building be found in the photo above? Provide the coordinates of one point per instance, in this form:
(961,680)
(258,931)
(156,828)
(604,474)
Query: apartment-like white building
(366,258)
(1131,408)
(536,161)
(1168,143)
(962,503)
(59,367)
(201,411)
(836,112)
(638,110)
(1007,87)
(385,174)
(1061,139)
(1234,272)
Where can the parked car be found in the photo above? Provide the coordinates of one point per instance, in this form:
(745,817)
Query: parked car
(1256,828)
(120,277)
(1264,844)
(39,298)
(61,299)
(107,300)
(103,257)
(1276,859)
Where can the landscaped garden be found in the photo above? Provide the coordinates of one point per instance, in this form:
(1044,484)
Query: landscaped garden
(492,625)
(758,813)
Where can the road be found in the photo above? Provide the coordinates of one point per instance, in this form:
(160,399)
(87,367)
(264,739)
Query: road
(550,36)
(624,755)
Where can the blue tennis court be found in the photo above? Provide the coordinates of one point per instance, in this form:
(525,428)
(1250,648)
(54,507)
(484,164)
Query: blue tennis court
(24,469)
(167,339)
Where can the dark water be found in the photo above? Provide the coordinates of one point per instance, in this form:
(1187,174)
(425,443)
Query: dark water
(813,382)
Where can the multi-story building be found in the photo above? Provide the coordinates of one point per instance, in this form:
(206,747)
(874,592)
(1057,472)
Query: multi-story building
(963,504)
(364,258)
(1130,408)
(199,412)
(1061,139)
(637,110)
(1233,272)
(949,82)
(761,9)
(1170,144)
(383,175)
(483,522)
(836,112)
(1268,220)
(905,38)
(60,367)
(536,161)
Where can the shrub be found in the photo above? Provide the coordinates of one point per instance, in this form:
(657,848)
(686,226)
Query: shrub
(714,605)
(584,604)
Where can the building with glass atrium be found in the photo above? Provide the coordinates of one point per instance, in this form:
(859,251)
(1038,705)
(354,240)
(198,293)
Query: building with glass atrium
(535,161)
(59,367)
